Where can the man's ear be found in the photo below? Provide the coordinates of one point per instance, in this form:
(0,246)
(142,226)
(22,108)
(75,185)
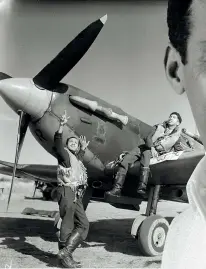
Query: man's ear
(174,69)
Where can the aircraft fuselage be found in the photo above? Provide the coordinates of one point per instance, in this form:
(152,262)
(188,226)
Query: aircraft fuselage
(107,139)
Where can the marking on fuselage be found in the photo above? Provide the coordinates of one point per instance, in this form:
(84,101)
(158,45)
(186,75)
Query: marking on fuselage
(40,135)
(100,136)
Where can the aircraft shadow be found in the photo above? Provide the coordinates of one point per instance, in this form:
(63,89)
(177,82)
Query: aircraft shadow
(22,228)
(20,245)
(115,234)
(112,234)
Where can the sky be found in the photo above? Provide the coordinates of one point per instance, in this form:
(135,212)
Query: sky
(124,66)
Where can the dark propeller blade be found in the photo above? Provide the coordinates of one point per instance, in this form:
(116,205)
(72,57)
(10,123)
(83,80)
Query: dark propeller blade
(49,77)
(24,120)
(4,76)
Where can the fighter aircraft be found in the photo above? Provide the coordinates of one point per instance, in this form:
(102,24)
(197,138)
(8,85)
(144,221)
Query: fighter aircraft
(42,100)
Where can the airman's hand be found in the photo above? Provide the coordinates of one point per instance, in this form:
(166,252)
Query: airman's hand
(64,119)
(83,142)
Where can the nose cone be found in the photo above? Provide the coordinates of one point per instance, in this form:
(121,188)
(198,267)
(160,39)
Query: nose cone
(22,94)
(14,93)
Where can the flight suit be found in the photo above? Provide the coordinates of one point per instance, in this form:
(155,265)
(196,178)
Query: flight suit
(163,140)
(157,138)
(72,214)
(141,153)
(75,225)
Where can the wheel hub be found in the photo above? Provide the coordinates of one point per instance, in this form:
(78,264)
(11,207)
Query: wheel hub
(159,237)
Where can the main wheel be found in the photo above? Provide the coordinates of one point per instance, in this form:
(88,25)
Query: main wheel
(47,194)
(152,235)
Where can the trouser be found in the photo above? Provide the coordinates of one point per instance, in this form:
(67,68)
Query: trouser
(141,153)
(72,214)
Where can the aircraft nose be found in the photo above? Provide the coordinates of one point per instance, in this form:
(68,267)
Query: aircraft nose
(22,94)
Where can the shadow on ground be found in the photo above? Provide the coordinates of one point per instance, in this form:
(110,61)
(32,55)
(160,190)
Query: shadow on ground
(12,228)
(34,198)
(113,234)
(20,245)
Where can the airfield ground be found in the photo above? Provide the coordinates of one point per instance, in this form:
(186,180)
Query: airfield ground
(29,241)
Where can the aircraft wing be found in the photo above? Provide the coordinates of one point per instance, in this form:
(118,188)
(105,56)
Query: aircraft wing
(45,173)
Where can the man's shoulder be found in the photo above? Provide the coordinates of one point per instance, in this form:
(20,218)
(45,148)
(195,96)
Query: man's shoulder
(162,124)
(179,131)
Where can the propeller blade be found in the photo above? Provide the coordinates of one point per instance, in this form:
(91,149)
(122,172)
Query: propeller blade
(49,77)
(24,120)
(4,76)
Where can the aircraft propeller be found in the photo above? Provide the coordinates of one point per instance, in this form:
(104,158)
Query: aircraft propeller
(50,76)
(24,120)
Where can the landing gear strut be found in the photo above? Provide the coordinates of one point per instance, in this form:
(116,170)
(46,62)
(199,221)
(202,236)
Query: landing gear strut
(151,230)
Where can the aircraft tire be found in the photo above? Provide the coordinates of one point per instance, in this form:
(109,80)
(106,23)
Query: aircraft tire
(152,235)
(47,194)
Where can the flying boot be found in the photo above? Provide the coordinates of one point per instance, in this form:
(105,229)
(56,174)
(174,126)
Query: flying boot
(66,250)
(118,184)
(144,176)
(61,245)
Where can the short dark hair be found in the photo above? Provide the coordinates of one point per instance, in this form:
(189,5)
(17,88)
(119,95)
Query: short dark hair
(178,116)
(178,21)
(71,138)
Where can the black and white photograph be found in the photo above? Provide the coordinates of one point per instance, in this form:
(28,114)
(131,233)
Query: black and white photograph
(103,134)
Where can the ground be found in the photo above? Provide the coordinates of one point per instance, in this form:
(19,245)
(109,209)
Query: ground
(29,241)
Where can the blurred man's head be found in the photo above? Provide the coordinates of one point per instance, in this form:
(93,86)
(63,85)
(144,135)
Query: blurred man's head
(73,144)
(174,119)
(185,57)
